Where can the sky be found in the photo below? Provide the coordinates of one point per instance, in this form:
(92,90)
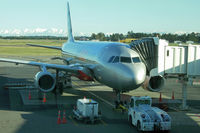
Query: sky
(41,17)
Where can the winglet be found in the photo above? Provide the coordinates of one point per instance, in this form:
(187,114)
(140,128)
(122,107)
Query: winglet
(69,25)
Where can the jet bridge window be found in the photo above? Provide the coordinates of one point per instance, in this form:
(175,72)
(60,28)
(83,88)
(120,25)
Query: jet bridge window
(116,59)
(125,59)
(136,59)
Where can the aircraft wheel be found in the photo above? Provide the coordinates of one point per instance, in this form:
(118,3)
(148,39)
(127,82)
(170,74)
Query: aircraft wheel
(130,120)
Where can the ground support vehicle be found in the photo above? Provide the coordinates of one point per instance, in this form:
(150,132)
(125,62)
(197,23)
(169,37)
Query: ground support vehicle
(145,117)
(86,110)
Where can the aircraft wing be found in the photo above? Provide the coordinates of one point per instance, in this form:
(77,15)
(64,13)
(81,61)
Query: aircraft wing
(46,65)
(44,46)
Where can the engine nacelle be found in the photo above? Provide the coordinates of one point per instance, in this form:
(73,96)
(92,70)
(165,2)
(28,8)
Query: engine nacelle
(45,81)
(154,83)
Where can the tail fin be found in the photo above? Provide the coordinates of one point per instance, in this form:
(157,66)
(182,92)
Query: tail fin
(69,25)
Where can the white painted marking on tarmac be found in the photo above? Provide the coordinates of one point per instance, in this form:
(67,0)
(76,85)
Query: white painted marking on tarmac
(95,95)
(102,99)
(103,123)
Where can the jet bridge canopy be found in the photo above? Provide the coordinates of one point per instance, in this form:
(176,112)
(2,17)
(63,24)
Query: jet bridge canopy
(147,48)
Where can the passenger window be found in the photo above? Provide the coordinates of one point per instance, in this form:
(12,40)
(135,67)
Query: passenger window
(136,59)
(125,59)
(116,59)
(111,59)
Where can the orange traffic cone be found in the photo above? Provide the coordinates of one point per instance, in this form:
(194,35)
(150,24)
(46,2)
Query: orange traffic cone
(59,120)
(64,120)
(29,95)
(173,95)
(44,98)
(160,99)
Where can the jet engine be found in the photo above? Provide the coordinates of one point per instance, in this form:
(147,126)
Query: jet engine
(154,83)
(45,81)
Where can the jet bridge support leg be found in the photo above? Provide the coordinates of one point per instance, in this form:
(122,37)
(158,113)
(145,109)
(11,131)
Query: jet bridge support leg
(184,94)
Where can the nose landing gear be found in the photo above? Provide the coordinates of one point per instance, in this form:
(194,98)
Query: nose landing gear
(120,105)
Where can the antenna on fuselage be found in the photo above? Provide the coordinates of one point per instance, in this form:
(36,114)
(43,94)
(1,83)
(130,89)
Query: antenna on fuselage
(69,25)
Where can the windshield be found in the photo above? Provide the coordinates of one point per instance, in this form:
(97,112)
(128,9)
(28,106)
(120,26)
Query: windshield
(116,59)
(136,59)
(111,59)
(138,102)
(125,59)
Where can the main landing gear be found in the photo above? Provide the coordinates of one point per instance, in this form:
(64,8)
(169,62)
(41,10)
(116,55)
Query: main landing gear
(63,81)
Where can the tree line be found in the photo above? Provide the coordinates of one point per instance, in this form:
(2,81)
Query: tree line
(195,37)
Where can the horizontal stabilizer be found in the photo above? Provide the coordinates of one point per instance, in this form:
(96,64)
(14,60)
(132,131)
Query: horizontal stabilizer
(44,46)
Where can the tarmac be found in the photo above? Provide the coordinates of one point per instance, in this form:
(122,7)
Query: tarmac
(18,114)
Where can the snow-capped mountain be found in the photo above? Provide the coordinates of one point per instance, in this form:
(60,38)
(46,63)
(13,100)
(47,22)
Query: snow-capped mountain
(34,32)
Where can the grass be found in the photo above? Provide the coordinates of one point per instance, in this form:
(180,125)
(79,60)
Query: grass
(175,44)
(19,47)
(28,51)
(24,42)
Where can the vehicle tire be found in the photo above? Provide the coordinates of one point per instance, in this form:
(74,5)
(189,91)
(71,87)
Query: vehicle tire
(138,126)
(130,120)
(167,131)
(85,121)
(73,116)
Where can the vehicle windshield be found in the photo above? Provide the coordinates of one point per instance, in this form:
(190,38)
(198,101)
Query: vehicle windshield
(139,102)
(125,59)
(136,59)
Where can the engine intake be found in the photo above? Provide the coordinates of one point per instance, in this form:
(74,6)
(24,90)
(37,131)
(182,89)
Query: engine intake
(154,83)
(45,81)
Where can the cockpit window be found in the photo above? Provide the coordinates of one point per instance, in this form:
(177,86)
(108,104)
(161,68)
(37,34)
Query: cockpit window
(125,59)
(136,59)
(111,59)
(116,59)
(122,59)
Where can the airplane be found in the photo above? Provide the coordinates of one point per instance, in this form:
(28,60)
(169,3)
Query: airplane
(113,64)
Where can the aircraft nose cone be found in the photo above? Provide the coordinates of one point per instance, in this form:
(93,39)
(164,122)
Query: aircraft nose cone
(140,75)
(136,76)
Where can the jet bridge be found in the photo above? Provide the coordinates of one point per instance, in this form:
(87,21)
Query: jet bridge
(147,48)
(182,61)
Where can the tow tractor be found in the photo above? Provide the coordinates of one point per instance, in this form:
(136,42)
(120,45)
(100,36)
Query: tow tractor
(147,118)
(86,110)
